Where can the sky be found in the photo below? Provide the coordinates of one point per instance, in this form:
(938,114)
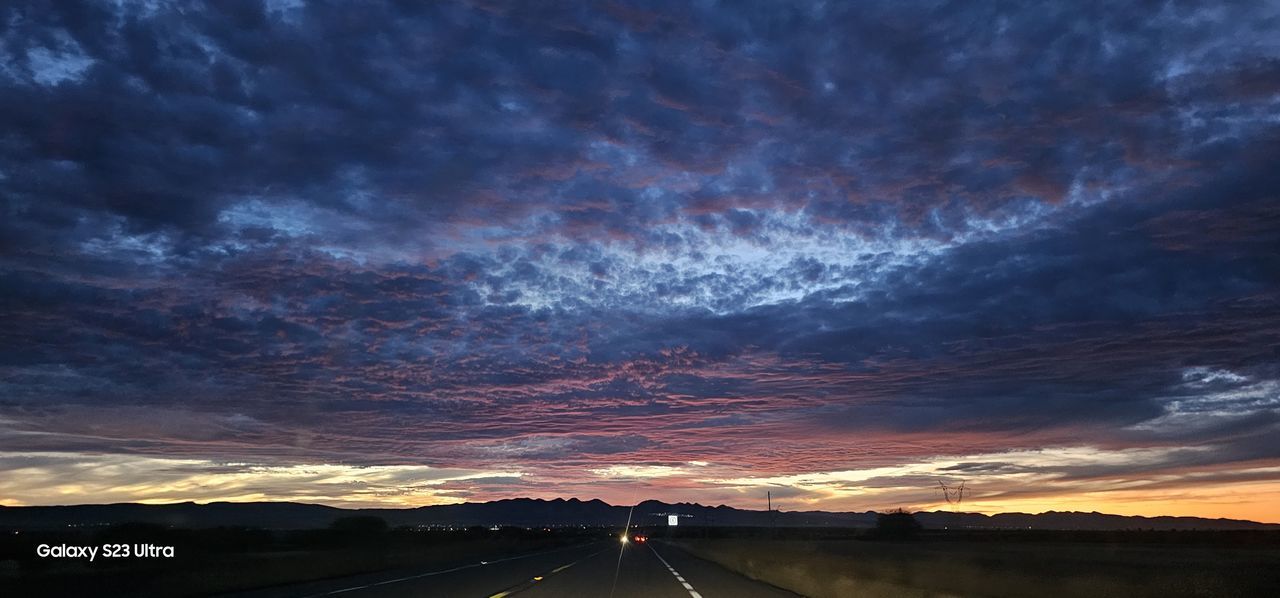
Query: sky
(406,253)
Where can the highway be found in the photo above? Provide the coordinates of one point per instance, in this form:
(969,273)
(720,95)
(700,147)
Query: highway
(649,570)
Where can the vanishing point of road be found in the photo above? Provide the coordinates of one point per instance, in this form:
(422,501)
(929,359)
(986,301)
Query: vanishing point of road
(648,570)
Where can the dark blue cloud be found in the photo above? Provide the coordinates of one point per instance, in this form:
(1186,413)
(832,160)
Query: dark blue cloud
(591,229)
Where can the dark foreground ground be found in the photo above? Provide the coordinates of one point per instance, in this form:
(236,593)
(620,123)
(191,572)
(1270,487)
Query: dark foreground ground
(685,562)
(215,561)
(1135,564)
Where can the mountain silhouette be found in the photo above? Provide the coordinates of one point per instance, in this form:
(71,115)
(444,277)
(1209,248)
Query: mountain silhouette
(529,512)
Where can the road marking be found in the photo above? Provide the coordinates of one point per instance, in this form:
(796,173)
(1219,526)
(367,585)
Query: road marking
(692,592)
(528,584)
(443,571)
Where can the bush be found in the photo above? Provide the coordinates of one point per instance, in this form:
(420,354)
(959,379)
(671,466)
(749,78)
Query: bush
(896,525)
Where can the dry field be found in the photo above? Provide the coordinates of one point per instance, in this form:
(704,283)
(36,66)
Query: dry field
(997,569)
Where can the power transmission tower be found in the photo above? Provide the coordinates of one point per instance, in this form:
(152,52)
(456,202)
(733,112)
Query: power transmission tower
(954,494)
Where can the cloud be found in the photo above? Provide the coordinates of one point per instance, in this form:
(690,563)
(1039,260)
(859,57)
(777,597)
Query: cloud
(67,476)
(568,240)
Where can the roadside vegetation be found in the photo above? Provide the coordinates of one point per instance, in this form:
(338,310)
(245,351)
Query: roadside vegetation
(901,562)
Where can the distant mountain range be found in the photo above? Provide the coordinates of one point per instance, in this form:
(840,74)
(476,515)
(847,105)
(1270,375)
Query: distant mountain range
(528,512)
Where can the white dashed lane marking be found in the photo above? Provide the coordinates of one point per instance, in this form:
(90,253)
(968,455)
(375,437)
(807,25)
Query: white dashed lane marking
(443,571)
(692,592)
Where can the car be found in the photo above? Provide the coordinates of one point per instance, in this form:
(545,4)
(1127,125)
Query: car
(641,538)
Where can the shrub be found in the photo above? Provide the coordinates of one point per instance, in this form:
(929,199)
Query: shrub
(895,525)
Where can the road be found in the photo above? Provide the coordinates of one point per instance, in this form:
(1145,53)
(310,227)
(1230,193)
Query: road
(649,570)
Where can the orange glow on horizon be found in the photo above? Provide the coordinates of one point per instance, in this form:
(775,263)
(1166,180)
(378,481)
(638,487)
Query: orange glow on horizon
(1254,501)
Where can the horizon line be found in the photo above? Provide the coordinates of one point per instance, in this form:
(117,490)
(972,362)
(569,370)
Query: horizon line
(606,503)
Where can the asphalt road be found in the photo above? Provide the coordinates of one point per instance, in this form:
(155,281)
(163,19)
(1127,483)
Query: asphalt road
(649,570)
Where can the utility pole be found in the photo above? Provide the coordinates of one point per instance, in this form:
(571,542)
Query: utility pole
(773,515)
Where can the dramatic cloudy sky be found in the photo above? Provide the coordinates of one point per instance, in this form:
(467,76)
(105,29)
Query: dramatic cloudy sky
(418,252)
